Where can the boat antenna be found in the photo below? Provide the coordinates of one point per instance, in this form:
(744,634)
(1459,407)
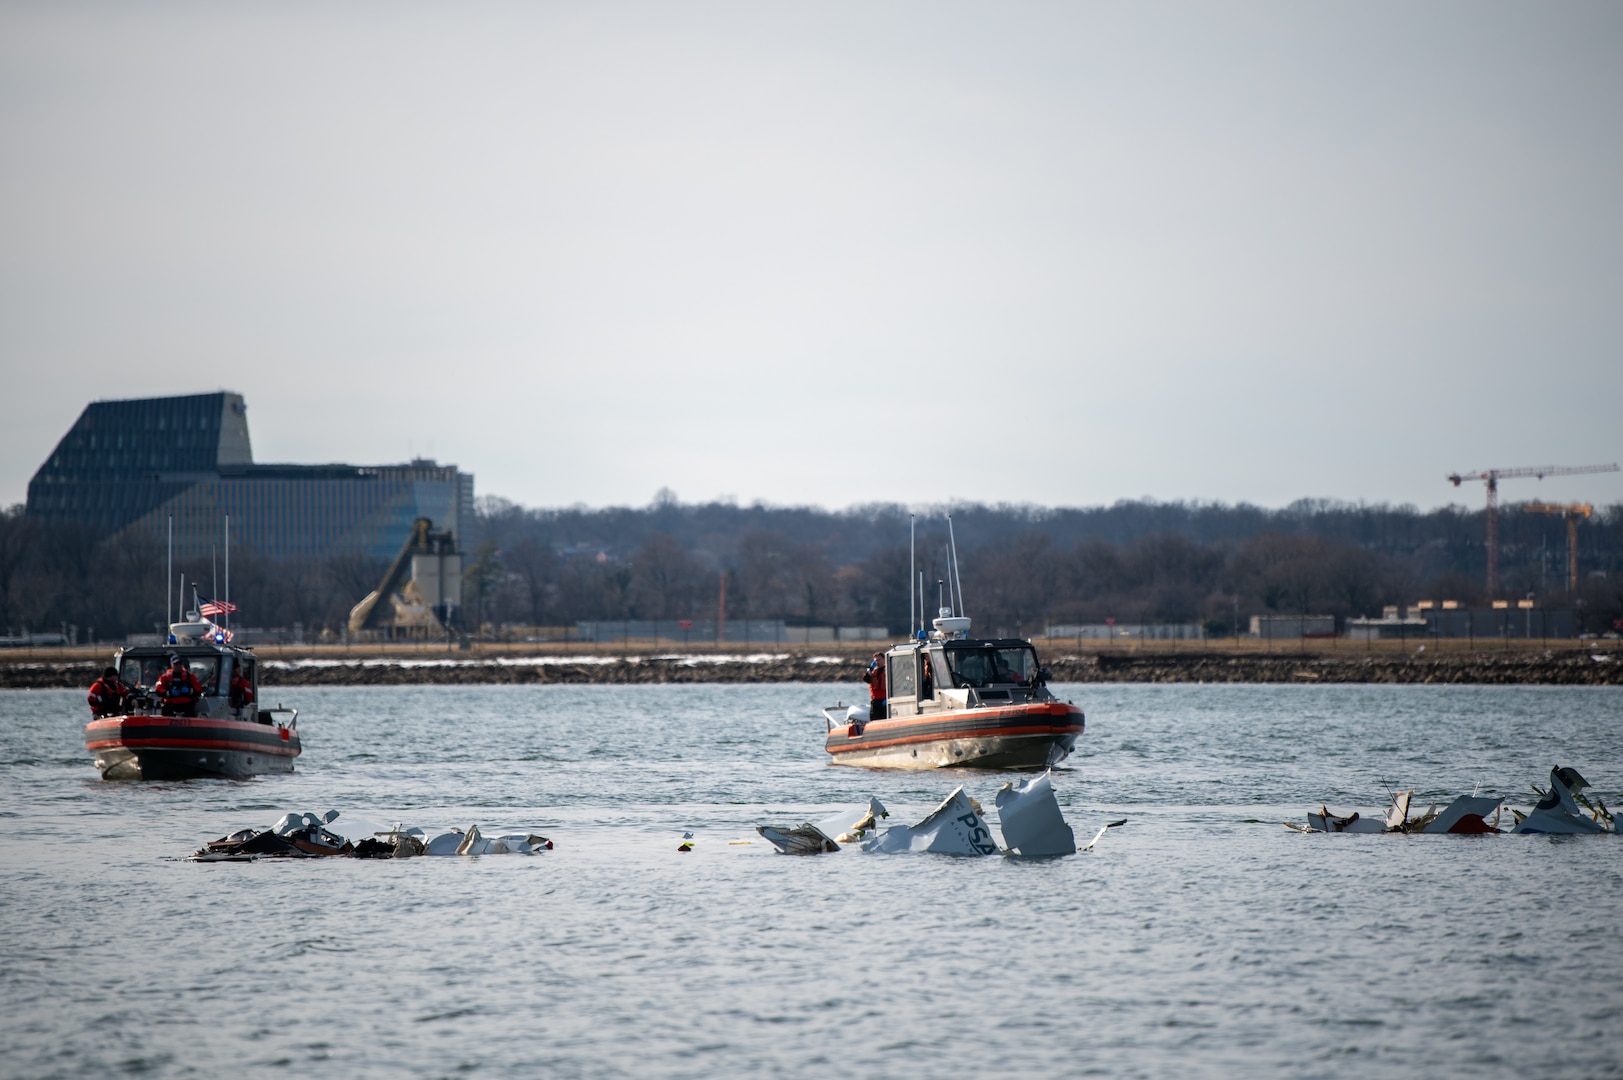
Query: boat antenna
(952,547)
(922,620)
(227,598)
(169,585)
(181,599)
(214,570)
(912,601)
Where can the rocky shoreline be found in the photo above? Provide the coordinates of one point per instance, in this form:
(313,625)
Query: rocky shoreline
(1566,668)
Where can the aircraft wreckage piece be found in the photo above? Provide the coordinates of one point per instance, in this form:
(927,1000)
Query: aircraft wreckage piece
(1031,821)
(850,826)
(846,827)
(1029,814)
(1106,827)
(953,828)
(305,836)
(1325,821)
(1466,815)
(1558,813)
(805,839)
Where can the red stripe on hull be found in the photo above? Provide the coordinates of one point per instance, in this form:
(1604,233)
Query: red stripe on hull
(1021,736)
(976,733)
(193,744)
(190,733)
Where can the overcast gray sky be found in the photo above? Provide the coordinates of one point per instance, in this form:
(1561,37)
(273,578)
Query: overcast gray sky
(789,252)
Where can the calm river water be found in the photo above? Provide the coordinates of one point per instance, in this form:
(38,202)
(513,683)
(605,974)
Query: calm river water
(1202,938)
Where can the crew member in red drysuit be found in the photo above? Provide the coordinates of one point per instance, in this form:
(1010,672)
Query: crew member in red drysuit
(875,678)
(107,694)
(177,689)
(242,691)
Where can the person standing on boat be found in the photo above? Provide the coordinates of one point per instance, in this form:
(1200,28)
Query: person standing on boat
(177,689)
(875,678)
(107,694)
(242,691)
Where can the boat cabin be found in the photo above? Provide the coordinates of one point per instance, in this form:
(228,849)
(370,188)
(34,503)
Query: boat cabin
(213,661)
(941,674)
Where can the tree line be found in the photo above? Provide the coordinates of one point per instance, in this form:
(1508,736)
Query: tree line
(1021,567)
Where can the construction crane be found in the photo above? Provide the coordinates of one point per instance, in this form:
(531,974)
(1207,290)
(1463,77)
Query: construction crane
(1492,477)
(1573,512)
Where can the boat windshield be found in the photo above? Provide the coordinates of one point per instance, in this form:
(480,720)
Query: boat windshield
(985,665)
(143,671)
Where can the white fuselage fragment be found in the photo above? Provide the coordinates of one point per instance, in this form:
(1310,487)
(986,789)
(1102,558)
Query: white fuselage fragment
(1031,820)
(953,828)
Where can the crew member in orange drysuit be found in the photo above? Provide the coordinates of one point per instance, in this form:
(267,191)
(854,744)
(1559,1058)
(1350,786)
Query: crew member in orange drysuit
(875,678)
(242,691)
(107,694)
(177,689)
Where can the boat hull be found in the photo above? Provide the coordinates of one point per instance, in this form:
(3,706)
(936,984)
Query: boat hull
(183,748)
(1016,737)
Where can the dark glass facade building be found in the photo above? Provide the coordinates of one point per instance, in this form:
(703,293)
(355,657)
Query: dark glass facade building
(131,466)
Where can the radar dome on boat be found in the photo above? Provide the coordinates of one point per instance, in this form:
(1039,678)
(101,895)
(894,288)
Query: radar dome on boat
(182,631)
(952,624)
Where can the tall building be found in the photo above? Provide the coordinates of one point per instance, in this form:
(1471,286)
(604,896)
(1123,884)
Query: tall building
(131,466)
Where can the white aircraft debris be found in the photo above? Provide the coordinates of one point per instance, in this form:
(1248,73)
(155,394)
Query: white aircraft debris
(953,828)
(1028,813)
(805,839)
(307,836)
(1103,829)
(1466,815)
(846,827)
(1558,811)
(1031,821)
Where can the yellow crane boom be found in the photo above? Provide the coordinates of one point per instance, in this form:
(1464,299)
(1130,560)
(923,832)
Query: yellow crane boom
(1574,513)
(1491,477)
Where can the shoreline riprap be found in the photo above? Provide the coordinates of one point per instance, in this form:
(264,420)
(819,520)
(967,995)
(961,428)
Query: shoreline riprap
(1482,667)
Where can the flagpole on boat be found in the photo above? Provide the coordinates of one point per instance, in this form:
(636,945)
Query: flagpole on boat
(169,585)
(912,601)
(227,611)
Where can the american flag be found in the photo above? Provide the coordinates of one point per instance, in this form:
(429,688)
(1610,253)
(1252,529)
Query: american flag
(210,608)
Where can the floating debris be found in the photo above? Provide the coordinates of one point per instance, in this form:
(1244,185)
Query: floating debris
(850,827)
(846,827)
(1558,811)
(953,828)
(305,836)
(1103,829)
(1466,815)
(1032,823)
(805,839)
(1029,814)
